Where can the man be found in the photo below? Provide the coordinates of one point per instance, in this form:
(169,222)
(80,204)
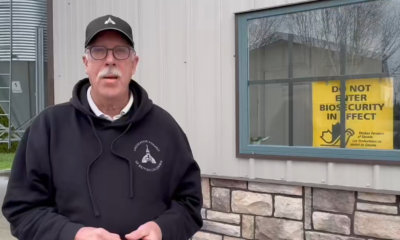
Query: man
(107,165)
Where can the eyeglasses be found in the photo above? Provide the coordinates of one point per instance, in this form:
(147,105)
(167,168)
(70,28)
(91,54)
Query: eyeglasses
(100,53)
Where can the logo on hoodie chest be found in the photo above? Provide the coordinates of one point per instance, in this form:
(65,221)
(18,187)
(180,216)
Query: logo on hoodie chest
(150,157)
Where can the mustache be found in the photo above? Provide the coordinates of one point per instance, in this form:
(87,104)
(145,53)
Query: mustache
(110,72)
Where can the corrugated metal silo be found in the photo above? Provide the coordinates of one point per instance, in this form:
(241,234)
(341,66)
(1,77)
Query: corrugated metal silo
(27,16)
(22,79)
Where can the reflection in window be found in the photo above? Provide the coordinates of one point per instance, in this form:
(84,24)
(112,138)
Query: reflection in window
(302,64)
(269,114)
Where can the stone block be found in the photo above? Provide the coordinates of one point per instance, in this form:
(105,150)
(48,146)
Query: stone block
(326,236)
(275,188)
(215,182)
(333,200)
(288,207)
(274,228)
(377,225)
(333,223)
(205,187)
(377,208)
(248,226)
(374,197)
(251,203)
(203,213)
(221,199)
(233,238)
(206,236)
(221,228)
(307,207)
(223,217)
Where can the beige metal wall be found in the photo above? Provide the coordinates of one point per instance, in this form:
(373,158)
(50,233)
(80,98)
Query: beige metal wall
(187,65)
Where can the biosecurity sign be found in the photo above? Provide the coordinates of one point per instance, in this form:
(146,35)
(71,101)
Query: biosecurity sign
(368,113)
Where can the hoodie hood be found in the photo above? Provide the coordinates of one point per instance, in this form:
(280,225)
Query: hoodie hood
(141,104)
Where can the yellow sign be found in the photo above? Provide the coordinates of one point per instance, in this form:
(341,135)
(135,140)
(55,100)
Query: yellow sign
(369,113)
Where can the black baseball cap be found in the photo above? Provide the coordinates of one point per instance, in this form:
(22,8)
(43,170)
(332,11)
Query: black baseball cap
(108,22)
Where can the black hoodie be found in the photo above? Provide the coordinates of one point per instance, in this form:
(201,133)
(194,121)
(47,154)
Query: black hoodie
(74,169)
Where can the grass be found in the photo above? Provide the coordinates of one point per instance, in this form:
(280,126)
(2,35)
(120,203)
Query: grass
(6,160)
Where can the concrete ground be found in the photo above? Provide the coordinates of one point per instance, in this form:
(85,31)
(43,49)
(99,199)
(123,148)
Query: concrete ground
(4,226)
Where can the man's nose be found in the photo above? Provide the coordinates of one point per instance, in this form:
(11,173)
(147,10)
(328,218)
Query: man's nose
(110,60)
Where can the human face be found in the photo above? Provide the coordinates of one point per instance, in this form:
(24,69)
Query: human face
(110,77)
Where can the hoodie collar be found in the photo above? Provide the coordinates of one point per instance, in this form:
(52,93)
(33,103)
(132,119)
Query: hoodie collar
(141,104)
(99,113)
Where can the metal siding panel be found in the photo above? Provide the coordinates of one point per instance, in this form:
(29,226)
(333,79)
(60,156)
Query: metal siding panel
(204,63)
(240,166)
(344,175)
(60,56)
(274,169)
(265,3)
(387,177)
(189,76)
(308,172)
(149,50)
(226,159)
(188,67)
(219,163)
(175,61)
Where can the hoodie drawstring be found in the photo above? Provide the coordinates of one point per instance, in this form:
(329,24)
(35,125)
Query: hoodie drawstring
(142,106)
(94,205)
(129,162)
(95,208)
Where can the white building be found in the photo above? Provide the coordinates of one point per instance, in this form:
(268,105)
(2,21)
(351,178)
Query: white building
(249,82)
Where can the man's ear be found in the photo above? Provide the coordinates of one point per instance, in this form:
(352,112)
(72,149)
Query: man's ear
(134,65)
(85,62)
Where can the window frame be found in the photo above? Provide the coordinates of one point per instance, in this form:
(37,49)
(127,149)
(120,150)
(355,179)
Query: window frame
(305,153)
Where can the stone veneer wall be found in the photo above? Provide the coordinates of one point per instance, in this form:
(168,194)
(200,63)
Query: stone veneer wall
(236,210)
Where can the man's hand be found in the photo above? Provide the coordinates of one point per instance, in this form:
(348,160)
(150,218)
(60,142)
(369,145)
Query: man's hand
(148,231)
(89,233)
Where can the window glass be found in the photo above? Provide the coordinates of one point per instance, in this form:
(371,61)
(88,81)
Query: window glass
(269,114)
(268,49)
(327,77)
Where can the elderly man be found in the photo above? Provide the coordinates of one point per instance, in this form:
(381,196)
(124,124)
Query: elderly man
(109,164)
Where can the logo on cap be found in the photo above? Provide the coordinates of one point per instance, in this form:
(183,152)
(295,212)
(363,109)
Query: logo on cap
(109,20)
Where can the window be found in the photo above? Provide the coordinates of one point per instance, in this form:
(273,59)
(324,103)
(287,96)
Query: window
(320,81)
